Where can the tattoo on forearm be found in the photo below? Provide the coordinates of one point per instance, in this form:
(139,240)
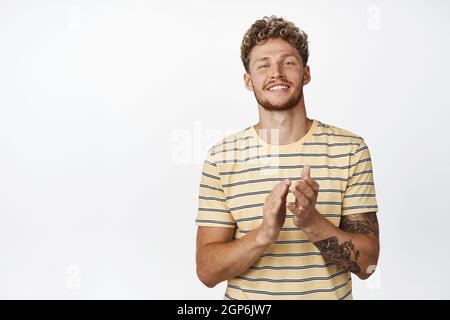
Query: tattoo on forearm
(345,255)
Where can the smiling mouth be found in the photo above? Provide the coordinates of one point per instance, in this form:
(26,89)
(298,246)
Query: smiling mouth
(278,88)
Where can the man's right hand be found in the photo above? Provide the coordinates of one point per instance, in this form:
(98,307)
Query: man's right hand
(274,213)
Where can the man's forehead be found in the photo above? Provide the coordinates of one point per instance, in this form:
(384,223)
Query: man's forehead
(273,48)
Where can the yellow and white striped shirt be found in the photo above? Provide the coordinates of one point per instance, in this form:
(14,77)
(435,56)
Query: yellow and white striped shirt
(241,171)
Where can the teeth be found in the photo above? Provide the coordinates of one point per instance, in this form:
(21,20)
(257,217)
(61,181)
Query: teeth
(278,87)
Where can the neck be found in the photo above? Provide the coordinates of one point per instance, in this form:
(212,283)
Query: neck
(290,125)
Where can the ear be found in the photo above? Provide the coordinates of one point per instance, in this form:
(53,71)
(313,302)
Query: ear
(306,75)
(248,81)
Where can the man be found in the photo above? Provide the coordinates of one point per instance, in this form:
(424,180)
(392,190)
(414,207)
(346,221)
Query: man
(287,207)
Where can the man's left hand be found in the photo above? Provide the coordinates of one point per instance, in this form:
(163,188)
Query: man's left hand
(305,191)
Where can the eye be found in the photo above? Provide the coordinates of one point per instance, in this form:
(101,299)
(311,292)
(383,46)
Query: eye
(262,66)
(289,63)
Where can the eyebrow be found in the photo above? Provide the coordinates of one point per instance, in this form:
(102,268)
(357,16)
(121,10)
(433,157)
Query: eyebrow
(284,55)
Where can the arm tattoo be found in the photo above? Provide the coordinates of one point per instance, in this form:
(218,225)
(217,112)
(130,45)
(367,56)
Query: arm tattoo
(366,223)
(345,255)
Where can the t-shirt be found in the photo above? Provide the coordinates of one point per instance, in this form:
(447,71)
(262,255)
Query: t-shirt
(239,173)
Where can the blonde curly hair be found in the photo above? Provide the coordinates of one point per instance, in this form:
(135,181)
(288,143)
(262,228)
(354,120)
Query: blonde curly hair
(274,27)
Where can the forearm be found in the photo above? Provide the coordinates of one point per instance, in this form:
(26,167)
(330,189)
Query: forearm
(355,252)
(217,262)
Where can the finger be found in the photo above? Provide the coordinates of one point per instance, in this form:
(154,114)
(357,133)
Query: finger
(281,185)
(315,186)
(282,189)
(300,199)
(306,190)
(312,183)
(294,184)
(306,171)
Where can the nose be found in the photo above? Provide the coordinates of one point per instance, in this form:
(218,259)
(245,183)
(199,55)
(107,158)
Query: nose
(276,71)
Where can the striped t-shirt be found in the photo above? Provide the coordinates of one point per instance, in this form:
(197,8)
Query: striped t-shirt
(240,172)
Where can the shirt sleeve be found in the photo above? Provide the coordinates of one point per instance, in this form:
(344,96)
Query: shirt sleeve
(213,208)
(359,195)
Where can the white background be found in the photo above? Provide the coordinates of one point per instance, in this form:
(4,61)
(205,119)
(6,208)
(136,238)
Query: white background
(107,110)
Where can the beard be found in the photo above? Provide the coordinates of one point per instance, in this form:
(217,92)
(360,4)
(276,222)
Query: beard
(291,103)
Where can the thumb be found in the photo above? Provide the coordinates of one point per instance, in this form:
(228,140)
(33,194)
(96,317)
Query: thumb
(306,171)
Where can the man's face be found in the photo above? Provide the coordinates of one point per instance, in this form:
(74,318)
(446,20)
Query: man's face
(276,75)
